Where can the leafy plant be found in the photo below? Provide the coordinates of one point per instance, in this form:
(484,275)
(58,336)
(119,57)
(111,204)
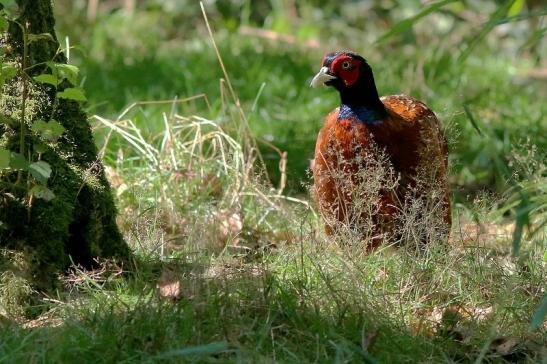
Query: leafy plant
(36,135)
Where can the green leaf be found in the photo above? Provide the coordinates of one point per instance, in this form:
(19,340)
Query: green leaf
(3,24)
(53,67)
(522,219)
(18,162)
(8,71)
(37,37)
(5,119)
(539,315)
(39,147)
(41,171)
(68,71)
(9,8)
(408,23)
(42,192)
(516,8)
(72,93)
(64,71)
(5,156)
(207,349)
(46,78)
(48,131)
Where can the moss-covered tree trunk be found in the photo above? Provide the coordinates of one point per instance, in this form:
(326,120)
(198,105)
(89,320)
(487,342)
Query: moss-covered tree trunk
(78,224)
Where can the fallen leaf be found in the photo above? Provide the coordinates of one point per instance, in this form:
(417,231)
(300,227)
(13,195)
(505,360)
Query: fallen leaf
(230,226)
(453,321)
(505,345)
(169,286)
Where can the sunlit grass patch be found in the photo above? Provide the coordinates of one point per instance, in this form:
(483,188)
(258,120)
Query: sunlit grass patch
(310,300)
(201,186)
(233,271)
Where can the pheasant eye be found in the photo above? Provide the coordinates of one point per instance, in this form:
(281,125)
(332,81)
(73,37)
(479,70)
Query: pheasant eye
(346,65)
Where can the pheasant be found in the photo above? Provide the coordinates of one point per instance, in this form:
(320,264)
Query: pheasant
(380,165)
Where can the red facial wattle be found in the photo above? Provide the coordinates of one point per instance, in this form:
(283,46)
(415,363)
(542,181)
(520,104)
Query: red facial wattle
(346,68)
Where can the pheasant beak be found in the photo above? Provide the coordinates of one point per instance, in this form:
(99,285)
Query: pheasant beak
(321,77)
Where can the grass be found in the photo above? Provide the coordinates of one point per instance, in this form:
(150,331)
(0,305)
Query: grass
(231,271)
(271,78)
(289,114)
(306,301)
(231,267)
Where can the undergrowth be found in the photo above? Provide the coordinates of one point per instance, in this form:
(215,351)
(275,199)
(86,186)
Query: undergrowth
(230,270)
(201,187)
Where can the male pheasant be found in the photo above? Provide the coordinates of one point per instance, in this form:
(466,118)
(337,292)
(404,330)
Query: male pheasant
(380,165)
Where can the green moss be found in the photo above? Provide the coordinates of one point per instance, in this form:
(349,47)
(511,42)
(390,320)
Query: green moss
(15,283)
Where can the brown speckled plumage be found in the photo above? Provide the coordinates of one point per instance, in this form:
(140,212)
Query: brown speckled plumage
(399,127)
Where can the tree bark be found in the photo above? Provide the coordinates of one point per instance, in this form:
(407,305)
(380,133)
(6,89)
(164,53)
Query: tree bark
(78,224)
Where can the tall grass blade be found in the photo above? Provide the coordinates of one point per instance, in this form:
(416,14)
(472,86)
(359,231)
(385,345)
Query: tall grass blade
(248,139)
(522,219)
(207,349)
(484,351)
(493,21)
(408,23)
(471,118)
(539,315)
(519,17)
